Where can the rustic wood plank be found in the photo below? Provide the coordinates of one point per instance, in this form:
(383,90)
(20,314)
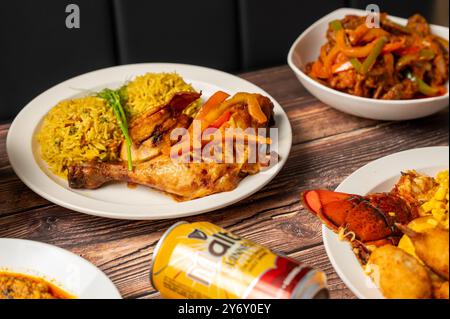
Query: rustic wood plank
(311,119)
(280,82)
(15,196)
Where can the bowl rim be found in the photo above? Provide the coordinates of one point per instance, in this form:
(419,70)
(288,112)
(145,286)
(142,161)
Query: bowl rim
(298,71)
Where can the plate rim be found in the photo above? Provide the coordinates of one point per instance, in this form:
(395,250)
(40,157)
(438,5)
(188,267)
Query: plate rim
(115,293)
(328,235)
(101,207)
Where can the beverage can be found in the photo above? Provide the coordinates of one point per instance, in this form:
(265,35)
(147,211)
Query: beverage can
(201,260)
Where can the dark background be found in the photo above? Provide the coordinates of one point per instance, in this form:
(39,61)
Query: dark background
(37,50)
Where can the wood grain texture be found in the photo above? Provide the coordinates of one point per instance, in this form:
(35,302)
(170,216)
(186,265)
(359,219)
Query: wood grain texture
(327,147)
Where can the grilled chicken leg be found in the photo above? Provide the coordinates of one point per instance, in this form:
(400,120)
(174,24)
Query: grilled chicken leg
(153,165)
(184,180)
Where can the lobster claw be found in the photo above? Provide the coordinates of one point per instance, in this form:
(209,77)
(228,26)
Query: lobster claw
(370,218)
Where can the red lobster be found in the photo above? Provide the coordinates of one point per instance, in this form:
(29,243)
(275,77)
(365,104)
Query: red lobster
(370,219)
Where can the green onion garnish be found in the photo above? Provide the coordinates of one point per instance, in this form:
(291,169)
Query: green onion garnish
(113,99)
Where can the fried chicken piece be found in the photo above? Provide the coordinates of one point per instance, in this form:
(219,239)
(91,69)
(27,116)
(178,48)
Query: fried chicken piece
(440,289)
(432,247)
(398,274)
(186,181)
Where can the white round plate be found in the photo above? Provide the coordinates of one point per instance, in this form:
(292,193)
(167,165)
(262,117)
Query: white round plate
(378,176)
(117,200)
(306,49)
(60,267)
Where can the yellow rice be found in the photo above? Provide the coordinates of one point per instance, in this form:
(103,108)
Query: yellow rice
(86,129)
(79,130)
(154,89)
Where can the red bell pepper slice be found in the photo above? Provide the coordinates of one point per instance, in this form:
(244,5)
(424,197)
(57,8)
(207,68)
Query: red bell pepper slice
(225,117)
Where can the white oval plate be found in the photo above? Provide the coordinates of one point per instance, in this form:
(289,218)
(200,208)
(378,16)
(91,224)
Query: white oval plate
(306,49)
(117,200)
(60,267)
(377,176)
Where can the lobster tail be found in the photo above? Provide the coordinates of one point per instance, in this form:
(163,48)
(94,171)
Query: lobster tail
(370,218)
(330,207)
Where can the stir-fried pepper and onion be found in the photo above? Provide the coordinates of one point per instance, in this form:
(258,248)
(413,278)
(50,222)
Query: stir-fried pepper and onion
(392,62)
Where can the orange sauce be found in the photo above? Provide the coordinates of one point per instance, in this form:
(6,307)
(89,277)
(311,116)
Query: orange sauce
(21,286)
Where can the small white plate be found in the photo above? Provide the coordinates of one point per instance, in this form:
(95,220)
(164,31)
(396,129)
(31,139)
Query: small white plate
(117,200)
(307,48)
(60,267)
(378,176)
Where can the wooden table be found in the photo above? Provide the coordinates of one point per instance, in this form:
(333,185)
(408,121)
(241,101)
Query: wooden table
(327,147)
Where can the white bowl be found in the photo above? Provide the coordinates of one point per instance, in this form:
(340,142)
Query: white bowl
(307,48)
(67,271)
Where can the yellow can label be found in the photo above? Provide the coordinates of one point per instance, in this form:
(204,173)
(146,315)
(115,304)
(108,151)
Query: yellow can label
(201,260)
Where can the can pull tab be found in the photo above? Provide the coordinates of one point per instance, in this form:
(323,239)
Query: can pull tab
(198,234)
